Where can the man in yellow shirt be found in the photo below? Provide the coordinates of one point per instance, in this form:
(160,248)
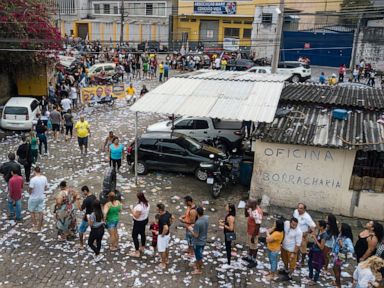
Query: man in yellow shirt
(161,71)
(131,93)
(83,131)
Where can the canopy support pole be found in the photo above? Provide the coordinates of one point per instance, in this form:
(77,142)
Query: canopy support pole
(136,147)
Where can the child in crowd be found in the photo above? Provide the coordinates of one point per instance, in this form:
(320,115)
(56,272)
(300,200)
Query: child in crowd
(154,227)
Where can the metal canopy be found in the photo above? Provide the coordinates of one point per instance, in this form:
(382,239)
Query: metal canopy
(217,94)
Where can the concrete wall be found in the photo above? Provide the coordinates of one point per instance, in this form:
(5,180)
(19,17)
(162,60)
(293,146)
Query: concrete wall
(370,48)
(289,174)
(370,206)
(6,88)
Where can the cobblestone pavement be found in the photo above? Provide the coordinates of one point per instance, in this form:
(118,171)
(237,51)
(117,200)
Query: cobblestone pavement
(30,260)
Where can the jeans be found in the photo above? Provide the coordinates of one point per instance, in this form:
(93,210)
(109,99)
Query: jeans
(115,163)
(311,268)
(228,249)
(68,129)
(273,257)
(27,169)
(96,235)
(139,229)
(42,140)
(15,207)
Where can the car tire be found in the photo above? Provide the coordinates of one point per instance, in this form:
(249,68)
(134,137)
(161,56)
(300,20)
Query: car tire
(215,190)
(141,168)
(295,78)
(201,175)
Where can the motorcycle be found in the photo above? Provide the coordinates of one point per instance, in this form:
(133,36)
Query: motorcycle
(216,142)
(221,173)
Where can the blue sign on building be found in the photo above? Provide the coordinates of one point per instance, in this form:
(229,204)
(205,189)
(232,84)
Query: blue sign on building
(214,8)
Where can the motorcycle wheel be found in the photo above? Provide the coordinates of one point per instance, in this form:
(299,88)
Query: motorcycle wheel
(110,103)
(215,190)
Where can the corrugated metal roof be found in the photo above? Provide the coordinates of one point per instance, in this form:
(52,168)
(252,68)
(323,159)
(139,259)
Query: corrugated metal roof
(221,94)
(315,126)
(367,98)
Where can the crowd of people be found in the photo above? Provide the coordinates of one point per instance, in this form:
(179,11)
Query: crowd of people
(330,241)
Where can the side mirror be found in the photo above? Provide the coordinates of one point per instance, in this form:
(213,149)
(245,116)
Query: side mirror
(211,156)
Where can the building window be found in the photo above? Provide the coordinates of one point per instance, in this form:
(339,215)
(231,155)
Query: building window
(149,9)
(160,9)
(116,10)
(266,18)
(227,21)
(232,32)
(66,7)
(193,20)
(184,20)
(96,8)
(237,22)
(248,22)
(247,33)
(107,9)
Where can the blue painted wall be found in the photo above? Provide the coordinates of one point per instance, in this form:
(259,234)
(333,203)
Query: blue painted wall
(321,57)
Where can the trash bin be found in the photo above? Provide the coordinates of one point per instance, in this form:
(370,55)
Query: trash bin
(246,173)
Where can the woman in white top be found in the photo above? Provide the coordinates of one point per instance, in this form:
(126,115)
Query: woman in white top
(364,275)
(140,220)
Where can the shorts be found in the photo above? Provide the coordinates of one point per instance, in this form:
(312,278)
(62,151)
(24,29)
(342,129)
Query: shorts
(36,205)
(83,141)
(55,127)
(252,246)
(304,243)
(83,226)
(163,243)
(188,238)
(112,224)
(199,249)
(288,260)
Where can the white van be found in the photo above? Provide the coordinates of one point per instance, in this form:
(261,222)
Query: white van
(107,68)
(19,113)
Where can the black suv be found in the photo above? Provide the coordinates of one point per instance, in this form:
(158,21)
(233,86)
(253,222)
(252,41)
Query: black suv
(172,152)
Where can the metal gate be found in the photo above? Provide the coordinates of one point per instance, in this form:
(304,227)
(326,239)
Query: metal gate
(82,30)
(322,48)
(209,33)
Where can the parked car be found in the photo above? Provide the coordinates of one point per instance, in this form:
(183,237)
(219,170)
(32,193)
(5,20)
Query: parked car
(240,65)
(230,133)
(151,46)
(171,151)
(204,60)
(19,113)
(260,70)
(301,72)
(107,68)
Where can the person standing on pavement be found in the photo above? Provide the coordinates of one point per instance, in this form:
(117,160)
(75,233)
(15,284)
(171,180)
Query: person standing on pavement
(111,212)
(199,232)
(96,221)
(343,246)
(143,91)
(83,132)
(322,78)
(34,147)
(68,122)
(254,216)
(108,141)
(316,255)
(274,238)
(87,205)
(7,167)
(37,187)
(41,130)
(291,246)
(228,225)
(341,71)
(15,192)
(165,220)
(66,104)
(188,219)
(332,234)
(25,158)
(306,226)
(365,273)
(166,71)
(116,154)
(55,118)
(140,220)
(367,240)
(73,95)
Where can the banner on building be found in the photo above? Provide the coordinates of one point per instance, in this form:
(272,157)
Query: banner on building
(96,93)
(231,44)
(216,8)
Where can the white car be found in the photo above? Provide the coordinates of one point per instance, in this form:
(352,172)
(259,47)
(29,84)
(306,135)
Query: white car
(107,68)
(19,113)
(260,70)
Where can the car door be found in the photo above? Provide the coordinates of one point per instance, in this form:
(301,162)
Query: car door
(184,126)
(149,152)
(109,70)
(171,156)
(200,129)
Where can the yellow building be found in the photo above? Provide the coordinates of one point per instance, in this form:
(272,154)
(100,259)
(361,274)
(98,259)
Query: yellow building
(212,24)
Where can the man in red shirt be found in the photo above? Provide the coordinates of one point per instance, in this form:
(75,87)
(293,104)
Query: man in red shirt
(15,190)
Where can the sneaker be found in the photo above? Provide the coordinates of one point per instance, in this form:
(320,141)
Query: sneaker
(99,257)
(252,264)
(283,272)
(286,277)
(247,259)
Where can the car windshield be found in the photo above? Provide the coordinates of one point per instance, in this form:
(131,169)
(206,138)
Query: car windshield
(190,144)
(169,123)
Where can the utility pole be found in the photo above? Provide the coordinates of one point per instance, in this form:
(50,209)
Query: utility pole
(355,42)
(279,30)
(122,23)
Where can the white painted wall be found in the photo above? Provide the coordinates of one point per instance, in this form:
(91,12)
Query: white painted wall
(289,174)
